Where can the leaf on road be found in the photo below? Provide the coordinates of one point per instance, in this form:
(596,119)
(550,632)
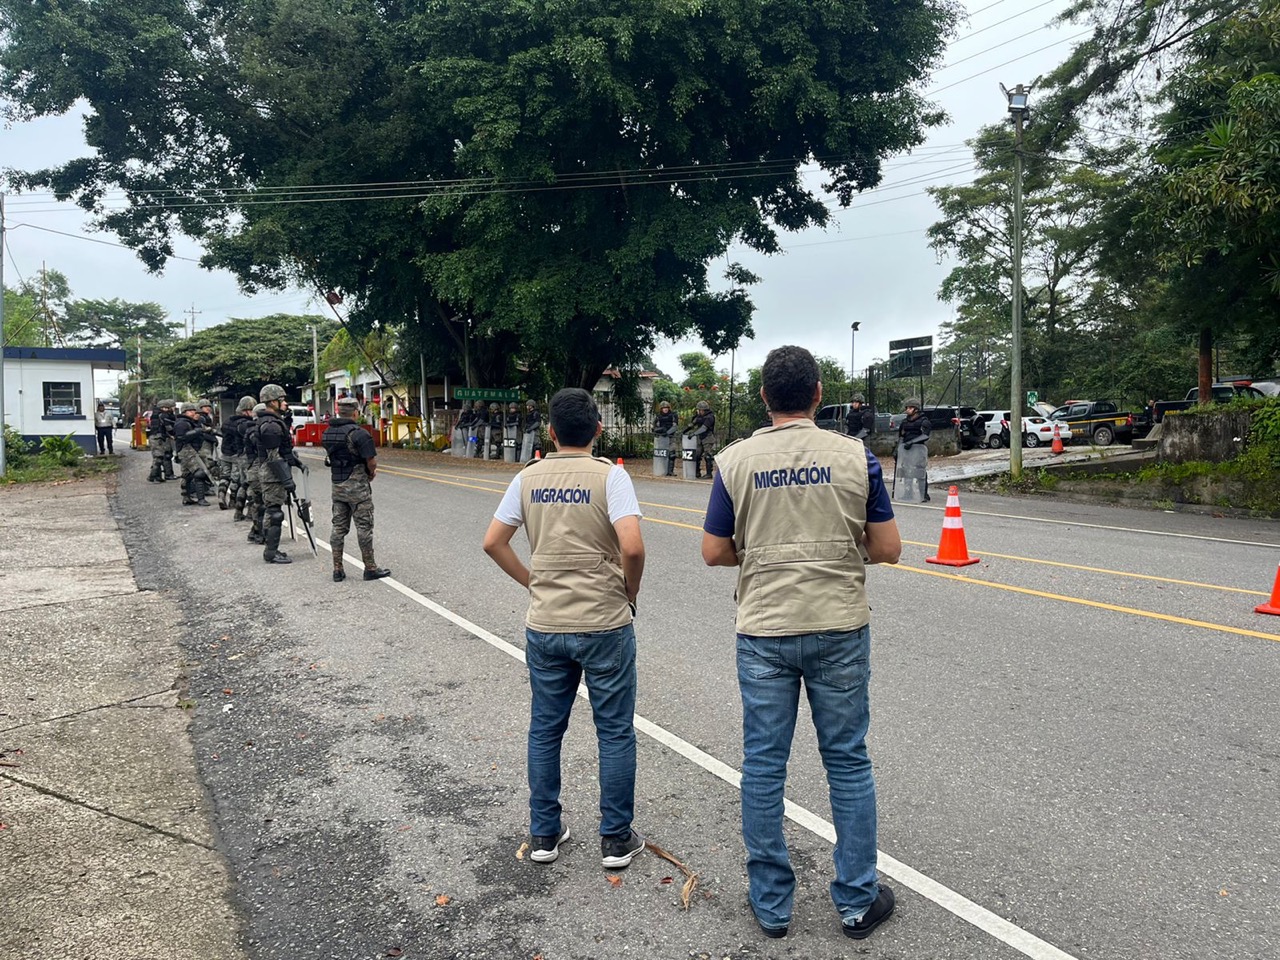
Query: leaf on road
(691,878)
(667,880)
(394,952)
(614,880)
(520,853)
(227,691)
(442,900)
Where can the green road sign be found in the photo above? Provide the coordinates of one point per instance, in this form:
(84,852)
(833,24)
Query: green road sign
(1032,396)
(486,393)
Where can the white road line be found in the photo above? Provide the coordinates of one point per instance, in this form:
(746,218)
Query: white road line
(1008,933)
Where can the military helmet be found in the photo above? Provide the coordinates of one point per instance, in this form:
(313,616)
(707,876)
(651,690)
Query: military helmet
(513,407)
(530,405)
(167,403)
(259,408)
(188,408)
(203,402)
(272,391)
(246,403)
(665,404)
(911,402)
(703,405)
(859,398)
(348,402)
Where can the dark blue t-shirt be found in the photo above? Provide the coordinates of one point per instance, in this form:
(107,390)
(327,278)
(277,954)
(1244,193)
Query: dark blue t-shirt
(719,522)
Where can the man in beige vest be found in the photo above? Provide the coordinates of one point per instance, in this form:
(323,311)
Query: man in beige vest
(586,560)
(800,511)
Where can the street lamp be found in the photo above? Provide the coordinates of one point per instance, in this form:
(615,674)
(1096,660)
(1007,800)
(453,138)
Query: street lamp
(853,335)
(1019,112)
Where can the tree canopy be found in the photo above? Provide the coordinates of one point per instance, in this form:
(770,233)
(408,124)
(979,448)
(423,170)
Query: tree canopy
(544,183)
(241,356)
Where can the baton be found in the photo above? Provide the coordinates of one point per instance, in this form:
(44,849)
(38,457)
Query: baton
(204,468)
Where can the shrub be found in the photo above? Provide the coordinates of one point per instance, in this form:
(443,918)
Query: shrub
(16,450)
(61,451)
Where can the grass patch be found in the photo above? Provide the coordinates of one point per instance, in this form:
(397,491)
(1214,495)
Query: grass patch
(46,471)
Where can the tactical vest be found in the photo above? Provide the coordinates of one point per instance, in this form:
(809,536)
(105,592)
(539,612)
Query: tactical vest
(249,436)
(339,443)
(575,570)
(232,438)
(800,506)
(188,433)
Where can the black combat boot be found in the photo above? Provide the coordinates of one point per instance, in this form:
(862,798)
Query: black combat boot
(274,525)
(339,573)
(371,569)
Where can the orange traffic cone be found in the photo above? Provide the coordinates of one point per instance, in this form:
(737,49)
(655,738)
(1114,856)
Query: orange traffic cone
(620,461)
(1057,440)
(1273,607)
(537,454)
(952,549)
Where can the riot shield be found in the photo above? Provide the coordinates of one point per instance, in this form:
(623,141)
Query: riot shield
(910,473)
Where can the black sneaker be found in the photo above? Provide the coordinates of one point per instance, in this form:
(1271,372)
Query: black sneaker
(879,911)
(616,853)
(546,849)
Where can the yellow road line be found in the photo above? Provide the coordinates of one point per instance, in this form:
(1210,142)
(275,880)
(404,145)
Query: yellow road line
(1132,611)
(1080,601)
(1114,573)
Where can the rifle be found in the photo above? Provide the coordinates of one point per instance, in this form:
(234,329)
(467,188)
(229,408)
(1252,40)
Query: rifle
(304,509)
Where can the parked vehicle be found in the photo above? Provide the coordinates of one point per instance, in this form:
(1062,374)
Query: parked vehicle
(1035,431)
(959,419)
(302,415)
(831,416)
(1222,392)
(1099,421)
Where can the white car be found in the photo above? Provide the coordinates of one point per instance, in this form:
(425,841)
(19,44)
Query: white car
(1035,431)
(302,415)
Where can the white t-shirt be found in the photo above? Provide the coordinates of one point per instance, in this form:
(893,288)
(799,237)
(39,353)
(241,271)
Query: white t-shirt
(620,494)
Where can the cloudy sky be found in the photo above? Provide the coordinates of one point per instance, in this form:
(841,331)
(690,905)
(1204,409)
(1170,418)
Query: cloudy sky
(871,265)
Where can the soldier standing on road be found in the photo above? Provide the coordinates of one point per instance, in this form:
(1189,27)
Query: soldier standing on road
(253,472)
(587,558)
(275,453)
(188,435)
(533,426)
(233,451)
(667,425)
(816,500)
(912,463)
(859,422)
(209,447)
(703,426)
(160,441)
(479,421)
(350,452)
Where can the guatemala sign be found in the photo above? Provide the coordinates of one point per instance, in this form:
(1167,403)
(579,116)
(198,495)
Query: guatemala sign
(486,393)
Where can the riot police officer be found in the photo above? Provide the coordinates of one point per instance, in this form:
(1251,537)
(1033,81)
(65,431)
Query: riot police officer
(859,421)
(703,426)
(351,454)
(233,457)
(253,472)
(479,426)
(275,452)
(667,425)
(188,439)
(532,431)
(912,464)
(160,441)
(209,446)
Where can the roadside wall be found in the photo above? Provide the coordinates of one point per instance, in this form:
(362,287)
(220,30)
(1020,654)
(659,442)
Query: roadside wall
(1213,437)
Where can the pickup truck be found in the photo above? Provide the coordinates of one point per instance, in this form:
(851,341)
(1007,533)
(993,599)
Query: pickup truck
(1221,393)
(1097,421)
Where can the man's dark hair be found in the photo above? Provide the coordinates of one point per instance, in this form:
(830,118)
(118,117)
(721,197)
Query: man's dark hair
(790,376)
(574,417)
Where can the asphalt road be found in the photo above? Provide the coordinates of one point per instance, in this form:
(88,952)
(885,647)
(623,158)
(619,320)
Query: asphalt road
(1074,740)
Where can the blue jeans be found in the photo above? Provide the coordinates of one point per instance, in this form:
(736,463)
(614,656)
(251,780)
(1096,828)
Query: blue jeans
(557,662)
(835,668)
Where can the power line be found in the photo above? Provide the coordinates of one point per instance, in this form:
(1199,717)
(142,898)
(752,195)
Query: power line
(983,73)
(974,56)
(79,236)
(1021,13)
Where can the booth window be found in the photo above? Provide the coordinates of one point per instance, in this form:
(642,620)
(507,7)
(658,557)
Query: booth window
(61,398)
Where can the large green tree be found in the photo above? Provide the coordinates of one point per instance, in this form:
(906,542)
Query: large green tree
(240,356)
(540,182)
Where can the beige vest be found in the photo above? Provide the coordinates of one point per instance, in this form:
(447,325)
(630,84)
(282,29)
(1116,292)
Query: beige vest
(575,569)
(800,504)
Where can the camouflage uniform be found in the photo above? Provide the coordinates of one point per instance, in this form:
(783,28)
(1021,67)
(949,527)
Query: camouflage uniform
(253,474)
(189,437)
(349,452)
(160,441)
